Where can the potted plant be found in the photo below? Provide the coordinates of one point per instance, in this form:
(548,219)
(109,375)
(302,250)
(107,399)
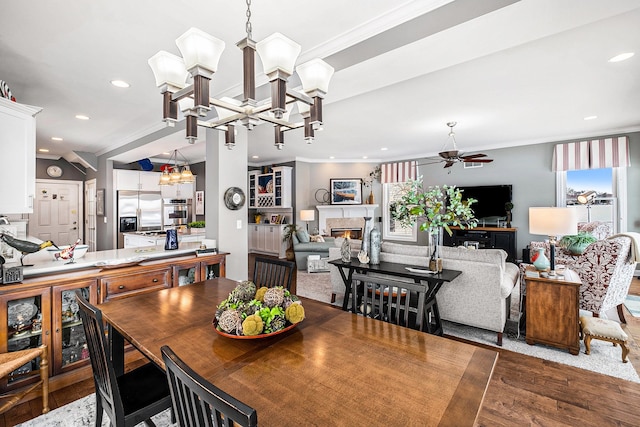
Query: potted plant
(375,174)
(287,236)
(576,243)
(434,208)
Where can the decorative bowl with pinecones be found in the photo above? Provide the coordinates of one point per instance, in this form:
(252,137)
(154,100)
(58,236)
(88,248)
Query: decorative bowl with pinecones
(251,313)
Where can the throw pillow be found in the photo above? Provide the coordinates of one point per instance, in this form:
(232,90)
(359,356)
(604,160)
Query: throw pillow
(317,239)
(303,236)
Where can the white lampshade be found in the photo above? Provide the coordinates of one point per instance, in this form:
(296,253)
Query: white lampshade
(553,221)
(307,215)
(278,52)
(303,108)
(168,69)
(315,75)
(200,49)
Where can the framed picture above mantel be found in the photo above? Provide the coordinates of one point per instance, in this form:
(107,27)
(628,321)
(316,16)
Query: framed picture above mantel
(345,191)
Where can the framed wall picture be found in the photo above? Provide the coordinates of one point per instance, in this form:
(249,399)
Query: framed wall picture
(100,201)
(275,219)
(346,191)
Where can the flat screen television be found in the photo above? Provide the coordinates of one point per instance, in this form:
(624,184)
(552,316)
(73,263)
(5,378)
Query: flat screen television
(489,208)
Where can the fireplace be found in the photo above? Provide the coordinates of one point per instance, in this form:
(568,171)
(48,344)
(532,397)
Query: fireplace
(354,233)
(343,218)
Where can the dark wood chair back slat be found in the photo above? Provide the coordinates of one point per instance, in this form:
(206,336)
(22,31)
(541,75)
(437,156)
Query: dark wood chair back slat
(197,402)
(273,272)
(146,391)
(394,301)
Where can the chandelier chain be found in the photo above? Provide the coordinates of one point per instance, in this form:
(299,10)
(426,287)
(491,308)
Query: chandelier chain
(249,28)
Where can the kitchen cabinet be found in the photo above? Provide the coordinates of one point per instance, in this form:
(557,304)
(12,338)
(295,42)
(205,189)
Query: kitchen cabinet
(272,189)
(18,125)
(267,239)
(136,180)
(191,271)
(178,191)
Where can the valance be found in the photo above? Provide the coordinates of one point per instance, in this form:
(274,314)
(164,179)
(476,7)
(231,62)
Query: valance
(399,172)
(592,154)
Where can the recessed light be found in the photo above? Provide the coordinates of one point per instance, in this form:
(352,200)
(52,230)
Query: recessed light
(82,117)
(621,57)
(120,83)
(166,153)
(56,138)
(365,157)
(332,157)
(384,149)
(43,150)
(590,117)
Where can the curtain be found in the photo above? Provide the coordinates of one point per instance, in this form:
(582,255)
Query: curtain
(593,154)
(399,172)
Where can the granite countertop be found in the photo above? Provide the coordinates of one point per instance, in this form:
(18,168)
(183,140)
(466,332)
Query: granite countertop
(43,262)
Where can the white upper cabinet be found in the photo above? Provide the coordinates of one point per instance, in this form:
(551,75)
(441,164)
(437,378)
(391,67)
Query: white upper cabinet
(18,171)
(272,189)
(136,180)
(178,191)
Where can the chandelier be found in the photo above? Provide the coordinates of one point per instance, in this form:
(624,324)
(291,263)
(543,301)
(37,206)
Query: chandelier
(176,174)
(200,55)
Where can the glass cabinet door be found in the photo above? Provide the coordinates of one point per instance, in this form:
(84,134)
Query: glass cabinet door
(26,323)
(186,273)
(69,342)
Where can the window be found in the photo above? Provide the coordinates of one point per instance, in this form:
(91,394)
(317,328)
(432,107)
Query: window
(610,201)
(391,229)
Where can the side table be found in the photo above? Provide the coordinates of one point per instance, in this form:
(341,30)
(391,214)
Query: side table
(552,313)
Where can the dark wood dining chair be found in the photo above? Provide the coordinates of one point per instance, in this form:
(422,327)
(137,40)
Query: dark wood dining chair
(197,402)
(394,301)
(12,361)
(271,272)
(131,398)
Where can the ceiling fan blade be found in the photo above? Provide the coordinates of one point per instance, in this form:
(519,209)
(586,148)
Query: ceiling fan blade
(449,164)
(474,156)
(478,160)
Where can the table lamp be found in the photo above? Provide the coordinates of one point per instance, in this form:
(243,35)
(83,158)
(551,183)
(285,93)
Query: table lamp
(553,222)
(307,215)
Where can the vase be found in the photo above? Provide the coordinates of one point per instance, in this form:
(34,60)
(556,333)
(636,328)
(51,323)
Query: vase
(368,225)
(371,199)
(540,260)
(345,250)
(435,236)
(374,248)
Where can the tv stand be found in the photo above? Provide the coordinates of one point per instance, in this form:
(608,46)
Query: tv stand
(487,237)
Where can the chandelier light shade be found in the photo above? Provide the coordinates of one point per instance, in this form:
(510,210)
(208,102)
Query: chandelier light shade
(176,173)
(201,53)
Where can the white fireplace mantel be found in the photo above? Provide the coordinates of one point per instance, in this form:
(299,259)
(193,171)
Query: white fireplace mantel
(342,211)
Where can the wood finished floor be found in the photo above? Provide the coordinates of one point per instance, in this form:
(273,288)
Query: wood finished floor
(523,391)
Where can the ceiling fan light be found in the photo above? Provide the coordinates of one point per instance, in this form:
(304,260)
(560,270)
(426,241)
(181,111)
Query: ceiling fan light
(278,53)
(168,69)
(200,50)
(315,75)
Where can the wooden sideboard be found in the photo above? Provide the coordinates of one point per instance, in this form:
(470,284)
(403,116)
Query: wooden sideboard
(487,238)
(42,310)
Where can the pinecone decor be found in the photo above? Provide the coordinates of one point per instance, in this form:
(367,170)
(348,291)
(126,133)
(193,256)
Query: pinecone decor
(251,312)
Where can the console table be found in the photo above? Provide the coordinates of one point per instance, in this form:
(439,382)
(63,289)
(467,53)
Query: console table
(487,238)
(434,281)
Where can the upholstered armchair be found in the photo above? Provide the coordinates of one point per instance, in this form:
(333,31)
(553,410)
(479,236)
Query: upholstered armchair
(605,269)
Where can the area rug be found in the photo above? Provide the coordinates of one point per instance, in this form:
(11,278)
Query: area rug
(81,413)
(632,302)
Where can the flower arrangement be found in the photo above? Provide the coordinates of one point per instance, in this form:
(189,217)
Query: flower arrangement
(434,208)
(374,175)
(248,311)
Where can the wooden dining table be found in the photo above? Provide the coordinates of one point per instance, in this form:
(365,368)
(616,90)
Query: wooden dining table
(333,368)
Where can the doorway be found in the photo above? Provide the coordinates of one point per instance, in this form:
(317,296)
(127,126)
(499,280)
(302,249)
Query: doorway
(57,211)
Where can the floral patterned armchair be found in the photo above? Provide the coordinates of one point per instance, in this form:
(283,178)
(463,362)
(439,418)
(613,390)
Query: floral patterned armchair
(605,270)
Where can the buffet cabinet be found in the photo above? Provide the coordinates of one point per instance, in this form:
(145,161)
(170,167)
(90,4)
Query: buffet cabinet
(486,237)
(44,310)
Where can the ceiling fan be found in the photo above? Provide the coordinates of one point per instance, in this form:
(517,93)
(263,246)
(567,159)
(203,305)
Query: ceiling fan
(454,156)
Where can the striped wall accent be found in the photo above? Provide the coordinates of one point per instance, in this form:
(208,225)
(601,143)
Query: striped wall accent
(399,172)
(571,156)
(609,152)
(593,154)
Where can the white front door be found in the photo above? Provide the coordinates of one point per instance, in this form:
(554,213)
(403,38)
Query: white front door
(57,211)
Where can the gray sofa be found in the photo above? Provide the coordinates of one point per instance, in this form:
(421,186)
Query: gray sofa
(303,249)
(479,297)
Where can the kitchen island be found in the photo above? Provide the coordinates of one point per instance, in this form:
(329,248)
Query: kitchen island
(42,308)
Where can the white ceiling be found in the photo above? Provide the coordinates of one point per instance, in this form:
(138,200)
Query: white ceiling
(509,72)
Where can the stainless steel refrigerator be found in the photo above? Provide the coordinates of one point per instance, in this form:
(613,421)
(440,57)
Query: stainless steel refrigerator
(138,211)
